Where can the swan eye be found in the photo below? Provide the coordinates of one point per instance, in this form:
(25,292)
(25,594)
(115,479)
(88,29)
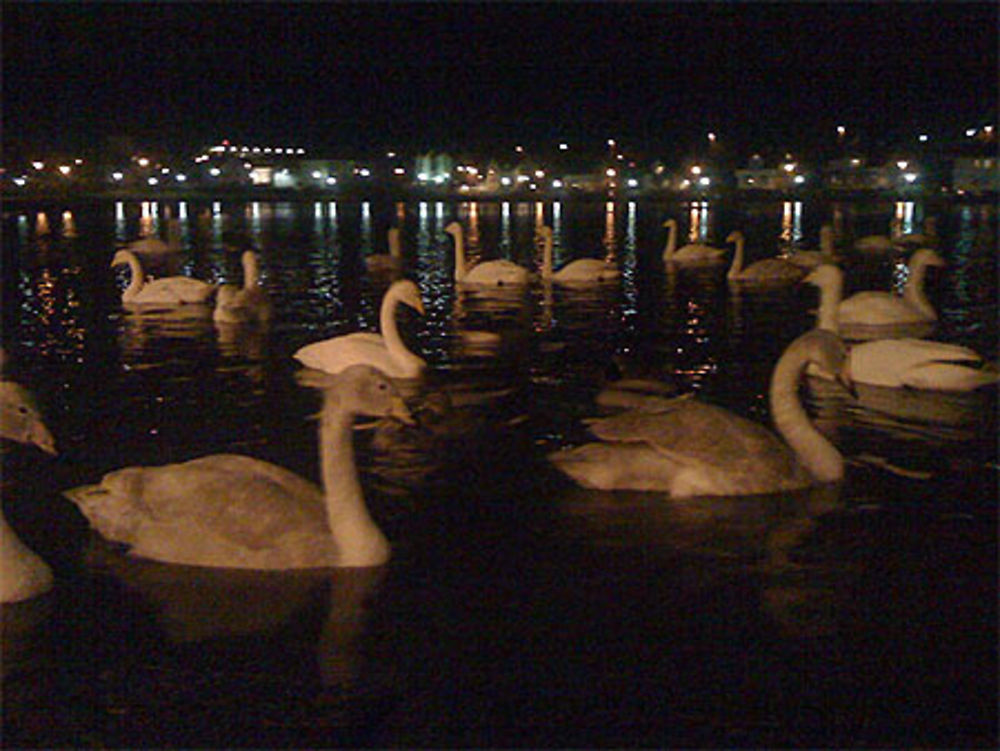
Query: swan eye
(22,410)
(383,387)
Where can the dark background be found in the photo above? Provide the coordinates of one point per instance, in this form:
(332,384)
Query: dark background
(343,77)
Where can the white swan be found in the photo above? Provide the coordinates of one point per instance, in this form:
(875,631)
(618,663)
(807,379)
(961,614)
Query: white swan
(172,290)
(767,271)
(496,273)
(226,510)
(908,362)
(153,245)
(387,262)
(580,271)
(246,304)
(23,574)
(693,253)
(810,259)
(690,448)
(876,314)
(386,351)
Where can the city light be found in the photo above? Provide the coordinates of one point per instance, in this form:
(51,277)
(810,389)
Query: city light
(563,147)
(152,181)
(65,169)
(38,165)
(910,177)
(331,180)
(180,178)
(711,137)
(923,138)
(215,172)
(117,176)
(142,161)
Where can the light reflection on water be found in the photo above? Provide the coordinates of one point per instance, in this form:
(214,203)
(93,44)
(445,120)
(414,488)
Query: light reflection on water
(517,608)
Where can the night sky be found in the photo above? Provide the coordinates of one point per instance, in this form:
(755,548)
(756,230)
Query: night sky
(341,78)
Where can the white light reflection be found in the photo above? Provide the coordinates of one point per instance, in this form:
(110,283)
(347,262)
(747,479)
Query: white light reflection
(791,222)
(608,241)
(68,224)
(699,222)
(505,227)
(182,210)
(904,217)
(367,246)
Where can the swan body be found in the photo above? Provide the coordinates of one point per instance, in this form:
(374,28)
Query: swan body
(244,304)
(875,244)
(767,271)
(227,510)
(497,273)
(905,362)
(861,315)
(385,262)
(23,574)
(810,259)
(385,351)
(580,271)
(689,448)
(171,290)
(693,253)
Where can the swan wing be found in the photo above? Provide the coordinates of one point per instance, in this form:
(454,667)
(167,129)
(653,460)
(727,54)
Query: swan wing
(499,271)
(179,512)
(175,289)
(877,308)
(773,269)
(336,354)
(698,252)
(587,270)
(896,362)
(950,376)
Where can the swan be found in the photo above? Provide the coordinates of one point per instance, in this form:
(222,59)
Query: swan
(244,304)
(386,351)
(766,271)
(691,448)
(907,362)
(23,574)
(810,259)
(385,262)
(153,245)
(496,273)
(173,290)
(691,253)
(227,510)
(580,271)
(872,314)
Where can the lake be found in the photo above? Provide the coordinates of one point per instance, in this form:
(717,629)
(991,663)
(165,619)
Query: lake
(518,609)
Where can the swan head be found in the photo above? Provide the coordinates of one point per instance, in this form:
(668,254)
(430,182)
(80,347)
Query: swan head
(670,223)
(408,293)
(365,390)
(828,352)
(453,228)
(20,419)
(735,237)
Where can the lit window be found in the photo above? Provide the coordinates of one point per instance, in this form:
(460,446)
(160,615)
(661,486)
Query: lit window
(633,183)
(65,169)
(20,182)
(316,174)
(181,178)
(696,170)
(705,182)
(215,172)
(38,165)
(152,181)
(557,183)
(331,181)
(117,176)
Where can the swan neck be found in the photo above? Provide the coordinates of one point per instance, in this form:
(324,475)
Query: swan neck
(459,255)
(830,292)
(671,248)
(737,265)
(357,539)
(547,256)
(390,330)
(251,270)
(913,291)
(813,450)
(394,247)
(137,277)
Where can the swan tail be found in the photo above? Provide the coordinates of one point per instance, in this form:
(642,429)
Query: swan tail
(948,376)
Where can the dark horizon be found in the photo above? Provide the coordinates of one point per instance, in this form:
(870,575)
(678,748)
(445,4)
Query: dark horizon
(483,76)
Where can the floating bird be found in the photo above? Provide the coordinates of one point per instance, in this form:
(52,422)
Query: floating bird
(23,574)
(690,448)
(496,273)
(580,271)
(810,259)
(877,314)
(227,510)
(387,262)
(693,253)
(171,290)
(906,362)
(769,271)
(386,351)
(246,304)
(154,246)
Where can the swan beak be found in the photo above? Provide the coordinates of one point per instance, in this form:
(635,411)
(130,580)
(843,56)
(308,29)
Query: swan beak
(399,411)
(39,435)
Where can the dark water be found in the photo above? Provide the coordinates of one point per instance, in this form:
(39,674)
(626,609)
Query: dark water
(518,609)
